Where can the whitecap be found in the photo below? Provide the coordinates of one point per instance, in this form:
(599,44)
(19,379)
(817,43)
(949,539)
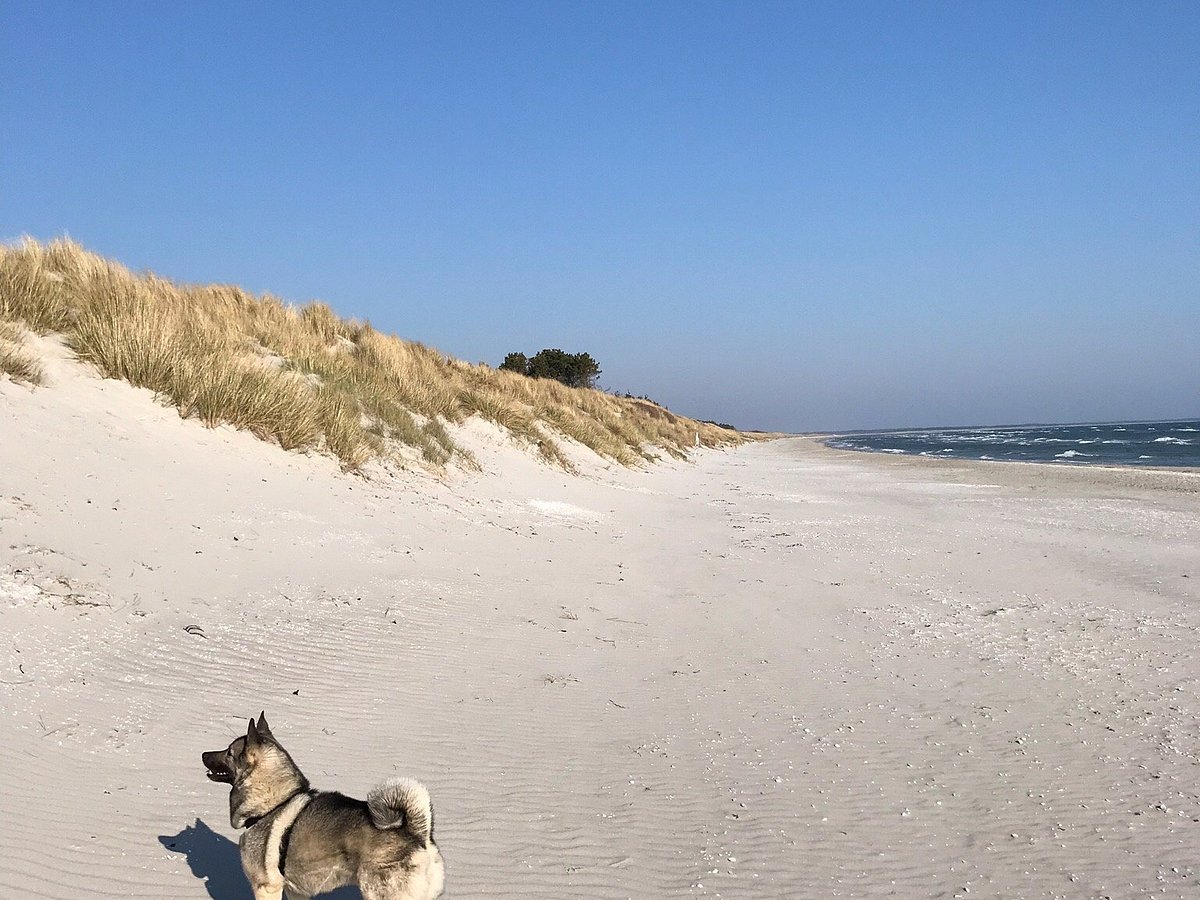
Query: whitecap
(1071,454)
(1170,440)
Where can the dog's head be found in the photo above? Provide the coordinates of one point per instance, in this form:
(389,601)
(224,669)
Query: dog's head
(260,772)
(238,760)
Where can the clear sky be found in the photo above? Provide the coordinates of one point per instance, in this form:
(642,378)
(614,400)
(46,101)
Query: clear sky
(794,216)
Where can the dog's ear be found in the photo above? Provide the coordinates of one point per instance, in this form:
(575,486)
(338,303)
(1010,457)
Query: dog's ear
(251,735)
(264,730)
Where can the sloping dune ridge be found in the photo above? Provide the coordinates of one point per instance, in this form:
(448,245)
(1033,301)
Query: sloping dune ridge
(773,670)
(302,377)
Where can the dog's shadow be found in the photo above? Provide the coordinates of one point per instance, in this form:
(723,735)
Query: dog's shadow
(216,861)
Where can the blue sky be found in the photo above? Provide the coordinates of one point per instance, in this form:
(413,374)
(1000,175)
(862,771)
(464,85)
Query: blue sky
(792,216)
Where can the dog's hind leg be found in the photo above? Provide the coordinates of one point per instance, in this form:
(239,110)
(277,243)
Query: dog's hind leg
(378,888)
(400,886)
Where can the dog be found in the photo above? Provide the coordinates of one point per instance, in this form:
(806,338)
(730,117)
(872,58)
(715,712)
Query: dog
(306,842)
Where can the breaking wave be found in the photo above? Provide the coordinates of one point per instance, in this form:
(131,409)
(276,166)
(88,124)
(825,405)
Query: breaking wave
(1127,443)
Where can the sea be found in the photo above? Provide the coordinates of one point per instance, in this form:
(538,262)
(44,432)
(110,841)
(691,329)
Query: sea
(1103,444)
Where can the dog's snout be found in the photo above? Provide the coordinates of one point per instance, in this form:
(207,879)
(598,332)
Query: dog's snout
(217,767)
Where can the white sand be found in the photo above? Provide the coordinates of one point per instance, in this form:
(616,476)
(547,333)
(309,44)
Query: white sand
(777,672)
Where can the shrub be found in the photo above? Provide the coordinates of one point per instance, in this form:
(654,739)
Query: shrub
(572,369)
(516,362)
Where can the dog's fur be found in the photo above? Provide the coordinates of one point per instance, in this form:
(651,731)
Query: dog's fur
(306,842)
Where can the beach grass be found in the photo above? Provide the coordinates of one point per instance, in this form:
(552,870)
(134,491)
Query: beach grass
(16,361)
(301,376)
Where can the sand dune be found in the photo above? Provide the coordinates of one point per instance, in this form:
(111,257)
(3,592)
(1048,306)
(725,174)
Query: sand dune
(777,671)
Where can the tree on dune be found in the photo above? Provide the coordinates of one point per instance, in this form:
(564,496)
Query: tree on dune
(572,369)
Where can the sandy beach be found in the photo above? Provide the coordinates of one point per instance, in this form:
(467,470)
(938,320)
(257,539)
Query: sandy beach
(773,671)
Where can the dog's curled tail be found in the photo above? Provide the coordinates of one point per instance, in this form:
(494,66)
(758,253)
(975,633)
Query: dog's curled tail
(402,803)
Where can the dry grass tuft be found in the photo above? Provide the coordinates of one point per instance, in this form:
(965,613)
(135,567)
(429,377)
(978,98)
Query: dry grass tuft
(16,362)
(303,377)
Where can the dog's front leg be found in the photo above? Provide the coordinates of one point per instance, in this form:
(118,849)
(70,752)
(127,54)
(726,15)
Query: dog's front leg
(268,892)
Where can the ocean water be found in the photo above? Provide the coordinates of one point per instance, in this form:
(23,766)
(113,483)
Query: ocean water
(1120,443)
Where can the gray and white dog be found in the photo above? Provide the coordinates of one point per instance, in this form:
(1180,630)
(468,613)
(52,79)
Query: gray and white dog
(307,842)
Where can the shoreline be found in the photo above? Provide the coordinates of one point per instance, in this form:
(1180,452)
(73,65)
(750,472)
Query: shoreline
(1185,479)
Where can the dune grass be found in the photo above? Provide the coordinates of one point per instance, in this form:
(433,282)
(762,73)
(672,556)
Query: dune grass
(302,376)
(17,362)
